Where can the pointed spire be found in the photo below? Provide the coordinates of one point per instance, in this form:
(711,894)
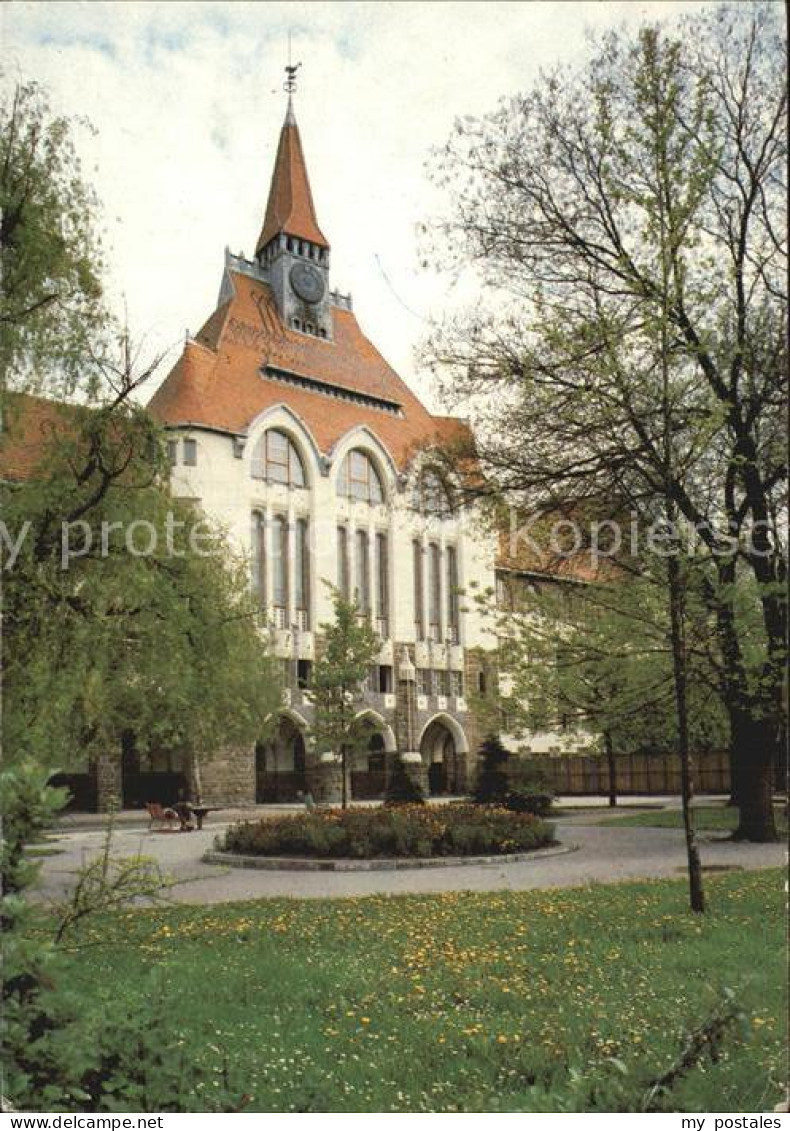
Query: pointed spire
(290,206)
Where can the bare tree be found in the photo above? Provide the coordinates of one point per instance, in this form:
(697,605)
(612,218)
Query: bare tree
(631,299)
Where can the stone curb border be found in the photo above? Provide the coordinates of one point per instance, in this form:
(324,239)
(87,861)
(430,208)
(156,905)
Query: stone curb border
(299,864)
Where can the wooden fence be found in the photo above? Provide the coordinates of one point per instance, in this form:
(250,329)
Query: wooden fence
(634,773)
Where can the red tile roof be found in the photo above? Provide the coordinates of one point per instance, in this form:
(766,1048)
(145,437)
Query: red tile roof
(534,551)
(218,380)
(290,207)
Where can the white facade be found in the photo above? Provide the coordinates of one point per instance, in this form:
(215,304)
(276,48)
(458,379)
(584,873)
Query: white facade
(222,481)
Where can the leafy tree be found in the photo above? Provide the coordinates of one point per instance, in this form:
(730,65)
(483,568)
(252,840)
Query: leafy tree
(627,220)
(53,319)
(595,657)
(350,646)
(124,610)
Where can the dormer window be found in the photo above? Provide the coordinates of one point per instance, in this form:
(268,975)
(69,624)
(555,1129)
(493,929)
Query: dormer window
(358,478)
(276,460)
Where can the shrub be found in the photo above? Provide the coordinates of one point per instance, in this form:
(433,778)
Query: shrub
(528,789)
(59,1053)
(505,780)
(405,831)
(491,786)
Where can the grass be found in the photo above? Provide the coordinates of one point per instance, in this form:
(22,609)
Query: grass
(463,1001)
(708,819)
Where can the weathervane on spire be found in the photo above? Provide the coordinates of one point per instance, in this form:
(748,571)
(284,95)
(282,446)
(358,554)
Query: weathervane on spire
(289,86)
(290,83)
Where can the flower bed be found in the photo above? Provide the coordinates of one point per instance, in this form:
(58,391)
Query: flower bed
(409,830)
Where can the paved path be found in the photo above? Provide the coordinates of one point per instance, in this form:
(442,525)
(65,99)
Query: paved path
(138,818)
(604,855)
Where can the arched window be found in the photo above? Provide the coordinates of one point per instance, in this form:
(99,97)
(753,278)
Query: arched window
(276,460)
(431,496)
(359,479)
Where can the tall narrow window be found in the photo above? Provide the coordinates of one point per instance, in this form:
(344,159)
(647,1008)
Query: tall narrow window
(343,574)
(434,592)
(453,619)
(419,597)
(363,572)
(190,453)
(302,575)
(382,586)
(280,570)
(259,556)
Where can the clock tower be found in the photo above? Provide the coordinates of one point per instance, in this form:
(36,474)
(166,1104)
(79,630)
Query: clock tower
(292,251)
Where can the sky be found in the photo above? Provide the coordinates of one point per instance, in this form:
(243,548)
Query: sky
(187,102)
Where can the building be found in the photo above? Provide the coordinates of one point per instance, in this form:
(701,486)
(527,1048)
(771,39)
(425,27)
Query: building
(287,426)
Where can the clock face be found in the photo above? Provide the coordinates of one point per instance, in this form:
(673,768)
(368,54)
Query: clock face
(307,282)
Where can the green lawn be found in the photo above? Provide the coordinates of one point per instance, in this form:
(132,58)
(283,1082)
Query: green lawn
(470,1002)
(708,819)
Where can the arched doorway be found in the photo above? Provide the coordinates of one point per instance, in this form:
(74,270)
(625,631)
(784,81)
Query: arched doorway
(440,754)
(280,764)
(369,776)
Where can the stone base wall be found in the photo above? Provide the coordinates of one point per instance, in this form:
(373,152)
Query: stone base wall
(109,785)
(418,774)
(325,782)
(228,778)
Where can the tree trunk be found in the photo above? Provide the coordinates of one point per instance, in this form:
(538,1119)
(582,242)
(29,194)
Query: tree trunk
(610,759)
(344,786)
(754,726)
(754,742)
(196,779)
(732,800)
